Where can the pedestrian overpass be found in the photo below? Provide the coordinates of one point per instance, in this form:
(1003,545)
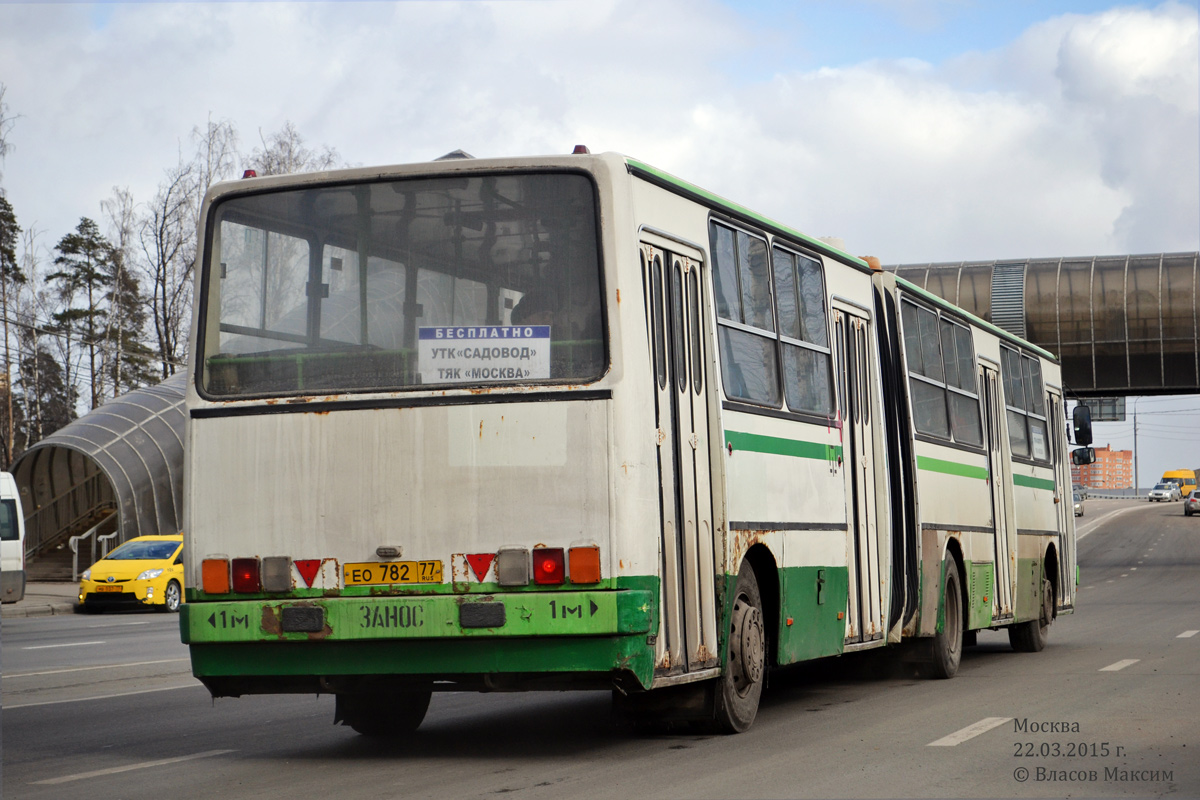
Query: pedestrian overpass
(1122,325)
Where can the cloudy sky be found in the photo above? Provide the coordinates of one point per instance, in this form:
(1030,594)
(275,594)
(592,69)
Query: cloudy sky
(916,130)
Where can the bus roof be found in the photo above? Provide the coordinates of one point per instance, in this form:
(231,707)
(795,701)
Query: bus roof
(679,186)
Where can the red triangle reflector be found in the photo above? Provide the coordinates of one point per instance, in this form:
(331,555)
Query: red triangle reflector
(308,569)
(481,563)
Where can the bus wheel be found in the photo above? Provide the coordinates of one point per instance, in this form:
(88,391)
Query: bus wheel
(947,644)
(383,716)
(1030,637)
(741,684)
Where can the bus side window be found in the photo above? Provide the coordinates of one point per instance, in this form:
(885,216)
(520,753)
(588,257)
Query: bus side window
(746,321)
(803,332)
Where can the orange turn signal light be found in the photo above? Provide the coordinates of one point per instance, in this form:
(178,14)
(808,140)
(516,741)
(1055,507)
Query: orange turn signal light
(584,564)
(214,574)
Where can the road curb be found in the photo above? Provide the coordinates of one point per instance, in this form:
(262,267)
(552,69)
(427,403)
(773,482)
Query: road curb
(37,610)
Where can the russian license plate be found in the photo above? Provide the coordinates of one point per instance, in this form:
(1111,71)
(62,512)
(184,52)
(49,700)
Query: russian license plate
(390,572)
(108,589)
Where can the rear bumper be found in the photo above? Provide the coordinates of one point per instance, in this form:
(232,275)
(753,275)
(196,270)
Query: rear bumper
(12,585)
(252,646)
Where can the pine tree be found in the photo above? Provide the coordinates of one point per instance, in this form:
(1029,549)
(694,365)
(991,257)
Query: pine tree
(127,361)
(10,277)
(85,270)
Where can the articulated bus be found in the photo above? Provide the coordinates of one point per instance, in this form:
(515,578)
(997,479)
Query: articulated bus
(573,423)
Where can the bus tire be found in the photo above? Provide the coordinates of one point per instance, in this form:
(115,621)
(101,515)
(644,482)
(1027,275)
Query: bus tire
(383,716)
(1030,637)
(740,686)
(946,647)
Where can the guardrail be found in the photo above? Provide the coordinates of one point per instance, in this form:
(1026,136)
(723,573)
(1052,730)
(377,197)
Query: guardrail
(93,536)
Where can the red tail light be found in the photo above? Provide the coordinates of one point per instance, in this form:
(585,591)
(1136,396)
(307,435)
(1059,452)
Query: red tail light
(246,576)
(548,566)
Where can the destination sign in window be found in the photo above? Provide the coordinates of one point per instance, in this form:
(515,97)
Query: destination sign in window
(473,353)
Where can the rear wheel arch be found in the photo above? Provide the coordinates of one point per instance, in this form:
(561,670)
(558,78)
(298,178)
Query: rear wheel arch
(766,572)
(954,551)
(1050,573)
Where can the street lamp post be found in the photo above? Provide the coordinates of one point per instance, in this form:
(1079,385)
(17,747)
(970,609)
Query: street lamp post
(1136,493)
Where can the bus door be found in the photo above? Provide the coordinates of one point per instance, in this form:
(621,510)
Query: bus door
(687,637)
(1000,481)
(1064,491)
(864,620)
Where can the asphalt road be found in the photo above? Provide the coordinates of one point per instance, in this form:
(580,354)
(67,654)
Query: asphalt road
(103,707)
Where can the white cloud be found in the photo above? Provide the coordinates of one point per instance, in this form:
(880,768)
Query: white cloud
(1079,137)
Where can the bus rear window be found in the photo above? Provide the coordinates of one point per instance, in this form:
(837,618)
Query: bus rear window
(394,285)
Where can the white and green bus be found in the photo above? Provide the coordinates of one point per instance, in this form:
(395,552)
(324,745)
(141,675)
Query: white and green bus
(571,422)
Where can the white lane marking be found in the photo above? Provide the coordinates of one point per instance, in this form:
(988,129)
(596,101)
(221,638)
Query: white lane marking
(970,732)
(195,685)
(1119,665)
(1187,634)
(1090,527)
(68,644)
(1134,569)
(100,666)
(144,765)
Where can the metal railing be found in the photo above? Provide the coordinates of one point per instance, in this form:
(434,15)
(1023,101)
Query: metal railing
(93,536)
(67,510)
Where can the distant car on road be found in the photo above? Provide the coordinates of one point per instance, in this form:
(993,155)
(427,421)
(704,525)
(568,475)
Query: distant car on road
(1081,489)
(1078,498)
(1164,491)
(145,571)
(1192,504)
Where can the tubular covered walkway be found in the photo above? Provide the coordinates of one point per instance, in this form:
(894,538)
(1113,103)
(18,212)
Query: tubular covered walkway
(1122,325)
(124,457)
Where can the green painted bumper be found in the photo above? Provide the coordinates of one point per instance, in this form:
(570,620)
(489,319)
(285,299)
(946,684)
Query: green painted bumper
(553,632)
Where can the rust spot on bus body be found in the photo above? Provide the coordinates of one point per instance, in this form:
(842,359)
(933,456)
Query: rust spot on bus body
(272,625)
(743,540)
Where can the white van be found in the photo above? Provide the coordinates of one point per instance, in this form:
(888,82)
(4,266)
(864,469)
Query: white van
(12,541)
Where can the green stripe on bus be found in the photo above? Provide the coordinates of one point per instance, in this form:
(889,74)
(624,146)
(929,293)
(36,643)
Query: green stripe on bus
(951,468)
(1034,483)
(774,445)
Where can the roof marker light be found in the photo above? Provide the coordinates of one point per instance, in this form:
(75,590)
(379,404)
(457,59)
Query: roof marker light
(581,150)
(250,173)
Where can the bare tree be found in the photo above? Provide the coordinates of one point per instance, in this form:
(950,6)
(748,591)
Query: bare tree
(47,382)
(283,153)
(167,236)
(216,154)
(122,219)
(6,124)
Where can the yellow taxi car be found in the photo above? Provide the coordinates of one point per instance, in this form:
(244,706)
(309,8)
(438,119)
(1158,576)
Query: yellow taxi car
(144,571)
